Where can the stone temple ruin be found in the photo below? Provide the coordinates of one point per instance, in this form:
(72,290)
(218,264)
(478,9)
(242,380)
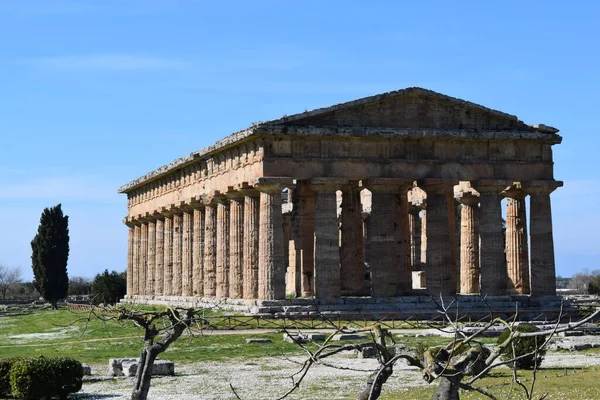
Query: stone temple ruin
(392,196)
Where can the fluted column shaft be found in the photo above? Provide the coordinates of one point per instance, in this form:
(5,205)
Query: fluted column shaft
(236,244)
(440,270)
(250,244)
(352,256)
(168,257)
(326,239)
(222,249)
(151,258)
(271,272)
(517,252)
(198,253)
(210,250)
(306,238)
(187,245)
(176,289)
(423,238)
(543,270)
(143,259)
(130,244)
(492,259)
(414,222)
(469,243)
(160,257)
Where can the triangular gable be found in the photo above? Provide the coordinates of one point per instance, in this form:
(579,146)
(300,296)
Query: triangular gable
(408,108)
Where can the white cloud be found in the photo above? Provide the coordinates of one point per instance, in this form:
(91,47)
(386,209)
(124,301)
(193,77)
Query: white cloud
(111,62)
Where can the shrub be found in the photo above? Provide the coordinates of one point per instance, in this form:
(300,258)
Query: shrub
(45,378)
(109,288)
(5,366)
(523,346)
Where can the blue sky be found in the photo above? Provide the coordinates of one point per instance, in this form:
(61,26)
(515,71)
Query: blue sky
(96,93)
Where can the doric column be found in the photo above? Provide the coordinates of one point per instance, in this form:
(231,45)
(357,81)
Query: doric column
(543,271)
(151,262)
(423,238)
(130,244)
(176,289)
(327,238)
(236,243)
(137,230)
(517,253)
(168,256)
(306,240)
(210,249)
(271,272)
(187,245)
(352,254)
(159,271)
(222,258)
(492,259)
(289,255)
(469,243)
(389,237)
(250,242)
(414,223)
(198,252)
(143,259)
(440,269)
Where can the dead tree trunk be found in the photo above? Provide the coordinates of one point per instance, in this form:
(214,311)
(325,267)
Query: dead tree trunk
(447,388)
(375,384)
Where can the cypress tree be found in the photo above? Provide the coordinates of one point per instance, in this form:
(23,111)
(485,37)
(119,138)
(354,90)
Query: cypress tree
(50,251)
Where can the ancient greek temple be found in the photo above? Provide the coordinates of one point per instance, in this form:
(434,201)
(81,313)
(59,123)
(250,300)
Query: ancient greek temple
(403,193)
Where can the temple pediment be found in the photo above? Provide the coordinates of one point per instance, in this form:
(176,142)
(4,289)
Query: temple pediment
(411,108)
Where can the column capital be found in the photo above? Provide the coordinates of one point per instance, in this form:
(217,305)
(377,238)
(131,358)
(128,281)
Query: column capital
(233,194)
(247,190)
(541,187)
(273,184)
(390,185)
(196,203)
(435,185)
(211,199)
(491,186)
(467,198)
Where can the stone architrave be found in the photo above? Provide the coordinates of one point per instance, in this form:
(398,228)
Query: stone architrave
(143,259)
(469,240)
(543,269)
(222,259)
(326,238)
(271,272)
(236,244)
(440,270)
(151,257)
(176,289)
(491,254)
(130,259)
(198,252)
(517,253)
(306,232)
(210,249)
(187,239)
(250,242)
(389,237)
(168,257)
(352,255)
(160,256)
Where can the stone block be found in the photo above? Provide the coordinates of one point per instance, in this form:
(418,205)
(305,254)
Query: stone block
(295,338)
(349,336)
(316,336)
(369,351)
(115,365)
(258,340)
(87,370)
(128,367)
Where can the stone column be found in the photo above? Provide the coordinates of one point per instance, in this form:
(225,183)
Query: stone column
(423,238)
(151,258)
(130,244)
(187,245)
(143,259)
(198,253)
(137,229)
(414,223)
(306,239)
(440,270)
(160,257)
(469,241)
(176,289)
(326,239)
(222,258)
(294,275)
(543,271)
(517,252)
(271,272)
(210,249)
(250,242)
(168,256)
(236,243)
(352,251)
(389,237)
(491,235)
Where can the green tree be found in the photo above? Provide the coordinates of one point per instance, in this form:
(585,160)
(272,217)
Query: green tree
(594,285)
(109,288)
(50,252)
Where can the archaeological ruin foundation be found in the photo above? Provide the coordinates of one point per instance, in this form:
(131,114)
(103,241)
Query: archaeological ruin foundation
(395,195)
